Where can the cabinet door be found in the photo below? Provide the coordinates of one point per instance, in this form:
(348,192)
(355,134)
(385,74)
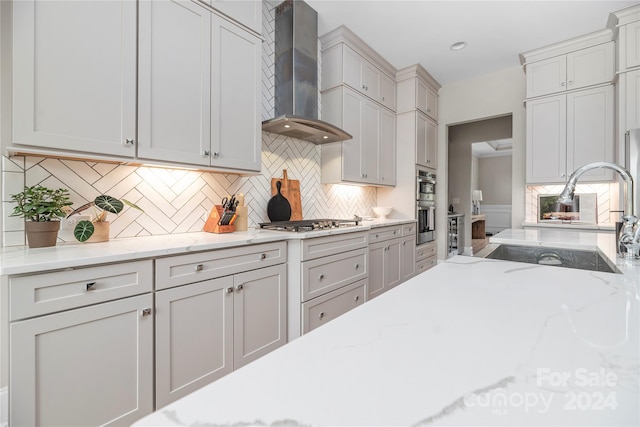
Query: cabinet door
(392,263)
(432,103)
(407,258)
(174,85)
(387,91)
(546,140)
(375,281)
(633,100)
(547,76)
(74,80)
(370,145)
(352,168)
(370,80)
(590,131)
(633,44)
(89,366)
(426,141)
(387,147)
(194,337)
(235,87)
(352,72)
(259,311)
(590,66)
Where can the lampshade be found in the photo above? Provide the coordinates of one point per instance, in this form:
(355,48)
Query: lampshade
(476,195)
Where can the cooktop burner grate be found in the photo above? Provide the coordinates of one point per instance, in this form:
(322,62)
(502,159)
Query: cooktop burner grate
(309,224)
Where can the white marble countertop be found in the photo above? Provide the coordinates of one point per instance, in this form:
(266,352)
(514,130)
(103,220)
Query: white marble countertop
(21,259)
(569,225)
(469,342)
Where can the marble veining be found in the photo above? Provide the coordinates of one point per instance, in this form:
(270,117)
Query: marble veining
(469,342)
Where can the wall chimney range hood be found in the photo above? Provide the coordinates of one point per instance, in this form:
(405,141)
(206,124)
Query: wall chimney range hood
(296,77)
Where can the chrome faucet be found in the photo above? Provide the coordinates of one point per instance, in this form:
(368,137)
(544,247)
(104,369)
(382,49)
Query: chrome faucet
(630,220)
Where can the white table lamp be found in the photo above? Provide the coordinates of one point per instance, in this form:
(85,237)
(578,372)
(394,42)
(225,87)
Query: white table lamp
(476,197)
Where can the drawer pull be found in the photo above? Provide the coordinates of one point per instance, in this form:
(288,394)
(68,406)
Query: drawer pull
(146,312)
(320,277)
(199,267)
(404,243)
(263,256)
(357,298)
(230,290)
(357,266)
(91,286)
(321,315)
(377,236)
(239,288)
(395,232)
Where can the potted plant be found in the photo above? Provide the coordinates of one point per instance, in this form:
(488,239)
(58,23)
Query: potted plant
(97,230)
(42,209)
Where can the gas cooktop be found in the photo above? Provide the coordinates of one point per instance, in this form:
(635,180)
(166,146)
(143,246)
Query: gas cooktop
(309,224)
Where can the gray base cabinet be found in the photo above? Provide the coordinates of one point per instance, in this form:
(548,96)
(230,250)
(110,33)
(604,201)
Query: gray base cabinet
(81,348)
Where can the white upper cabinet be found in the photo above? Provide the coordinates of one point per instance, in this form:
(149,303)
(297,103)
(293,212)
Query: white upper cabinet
(575,70)
(567,131)
(417,90)
(199,88)
(174,119)
(236,134)
(74,76)
(358,66)
(246,12)
(633,44)
(367,158)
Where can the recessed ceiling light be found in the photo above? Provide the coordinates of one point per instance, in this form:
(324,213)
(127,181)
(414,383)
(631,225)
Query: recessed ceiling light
(287,126)
(325,137)
(458,46)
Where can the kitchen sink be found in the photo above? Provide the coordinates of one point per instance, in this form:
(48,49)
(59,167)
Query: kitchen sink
(570,258)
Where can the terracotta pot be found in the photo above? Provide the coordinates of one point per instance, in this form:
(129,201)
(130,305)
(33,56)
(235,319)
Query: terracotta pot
(101,232)
(42,234)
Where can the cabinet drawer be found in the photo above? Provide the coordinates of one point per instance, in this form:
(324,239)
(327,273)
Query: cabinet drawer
(37,294)
(409,229)
(384,233)
(183,269)
(327,307)
(425,264)
(326,274)
(329,245)
(426,251)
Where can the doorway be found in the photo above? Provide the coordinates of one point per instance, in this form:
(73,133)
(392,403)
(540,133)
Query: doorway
(479,176)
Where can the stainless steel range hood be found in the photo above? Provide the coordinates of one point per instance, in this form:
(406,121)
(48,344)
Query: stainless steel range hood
(296,77)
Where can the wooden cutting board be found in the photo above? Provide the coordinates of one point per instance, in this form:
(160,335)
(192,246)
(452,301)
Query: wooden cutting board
(291,190)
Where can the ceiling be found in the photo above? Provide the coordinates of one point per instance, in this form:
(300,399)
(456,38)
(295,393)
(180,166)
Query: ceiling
(421,31)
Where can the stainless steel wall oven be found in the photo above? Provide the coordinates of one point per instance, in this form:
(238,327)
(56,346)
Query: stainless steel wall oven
(425,206)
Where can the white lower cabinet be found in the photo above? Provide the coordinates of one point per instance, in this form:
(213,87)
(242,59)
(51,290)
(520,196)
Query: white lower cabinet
(425,257)
(328,277)
(392,257)
(82,364)
(205,330)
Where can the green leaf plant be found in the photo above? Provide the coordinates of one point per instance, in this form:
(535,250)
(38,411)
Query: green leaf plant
(38,203)
(102,205)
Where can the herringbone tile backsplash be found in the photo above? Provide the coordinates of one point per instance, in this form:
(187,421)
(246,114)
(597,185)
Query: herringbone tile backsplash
(177,201)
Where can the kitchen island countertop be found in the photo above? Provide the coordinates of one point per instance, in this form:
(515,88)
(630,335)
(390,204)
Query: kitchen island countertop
(470,342)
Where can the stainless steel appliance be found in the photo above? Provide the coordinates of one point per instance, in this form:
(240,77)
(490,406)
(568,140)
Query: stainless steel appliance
(309,224)
(425,206)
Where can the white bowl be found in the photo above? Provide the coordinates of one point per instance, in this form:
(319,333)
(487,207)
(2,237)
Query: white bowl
(382,211)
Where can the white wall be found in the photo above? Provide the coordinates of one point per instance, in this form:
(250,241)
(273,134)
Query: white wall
(492,95)
(495,180)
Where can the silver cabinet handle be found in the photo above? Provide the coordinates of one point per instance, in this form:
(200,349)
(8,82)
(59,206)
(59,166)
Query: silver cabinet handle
(128,141)
(562,84)
(321,315)
(91,286)
(357,266)
(199,267)
(263,256)
(404,243)
(206,153)
(357,298)
(230,290)
(216,154)
(395,232)
(146,312)
(320,277)
(239,287)
(377,236)
(570,82)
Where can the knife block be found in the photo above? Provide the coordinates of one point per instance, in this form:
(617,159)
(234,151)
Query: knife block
(211,225)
